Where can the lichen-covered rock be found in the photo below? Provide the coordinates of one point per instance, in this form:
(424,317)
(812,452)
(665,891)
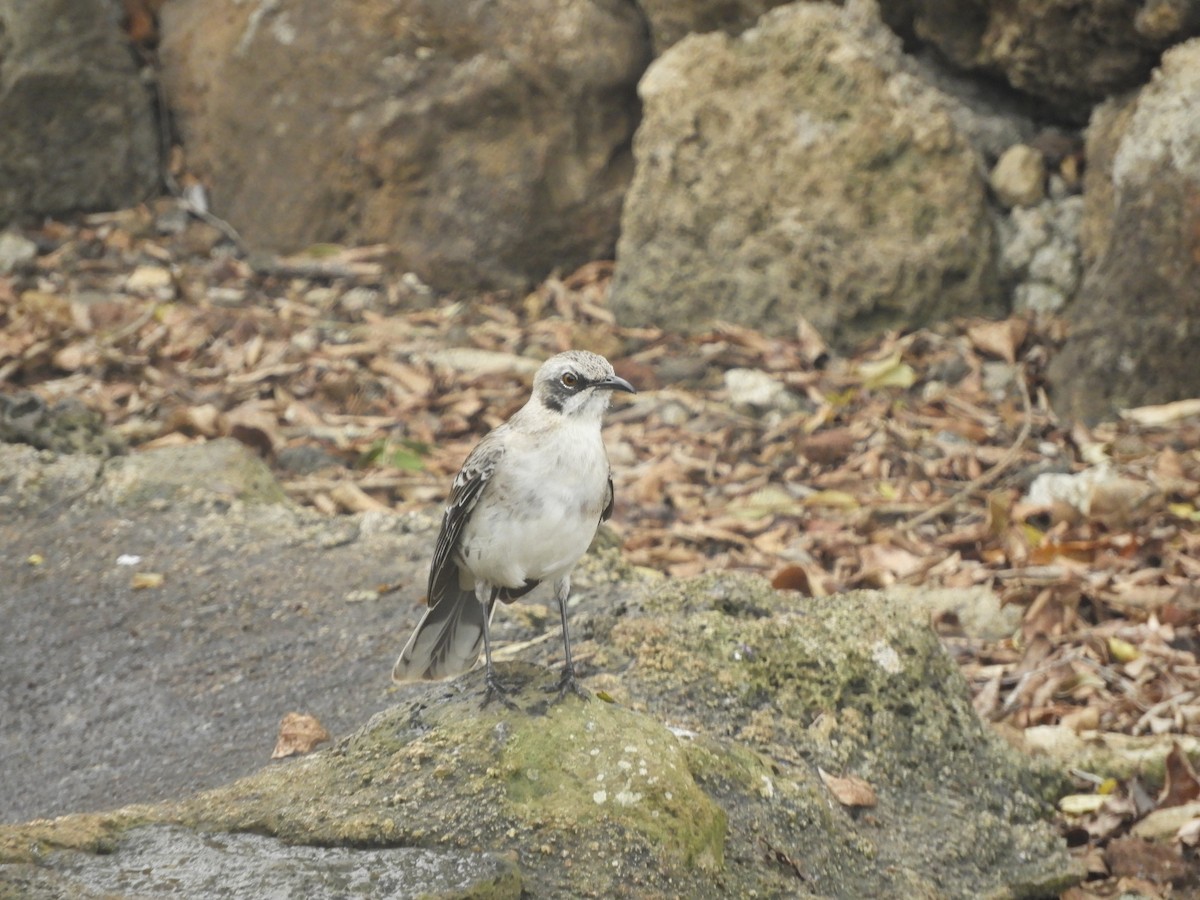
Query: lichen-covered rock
(698,769)
(609,789)
(1133,326)
(1040,253)
(852,684)
(719,791)
(68,426)
(801,169)
(224,469)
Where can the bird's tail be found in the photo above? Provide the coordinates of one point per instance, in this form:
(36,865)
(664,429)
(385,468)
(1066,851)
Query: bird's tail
(446,641)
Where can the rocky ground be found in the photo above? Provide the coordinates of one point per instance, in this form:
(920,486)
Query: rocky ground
(928,459)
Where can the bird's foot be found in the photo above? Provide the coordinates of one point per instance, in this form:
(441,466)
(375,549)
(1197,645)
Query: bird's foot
(568,684)
(497,690)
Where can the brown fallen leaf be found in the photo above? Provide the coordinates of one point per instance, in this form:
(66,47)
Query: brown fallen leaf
(791,578)
(255,426)
(830,446)
(1002,339)
(1181,784)
(298,733)
(849,790)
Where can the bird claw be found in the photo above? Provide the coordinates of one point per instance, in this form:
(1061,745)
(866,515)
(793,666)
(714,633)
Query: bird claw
(497,690)
(567,683)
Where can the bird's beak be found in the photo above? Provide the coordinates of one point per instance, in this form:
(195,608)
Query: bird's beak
(615,383)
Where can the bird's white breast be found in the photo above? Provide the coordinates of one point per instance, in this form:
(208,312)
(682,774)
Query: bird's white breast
(541,507)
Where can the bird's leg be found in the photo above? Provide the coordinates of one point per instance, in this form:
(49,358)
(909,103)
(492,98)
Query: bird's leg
(566,681)
(495,690)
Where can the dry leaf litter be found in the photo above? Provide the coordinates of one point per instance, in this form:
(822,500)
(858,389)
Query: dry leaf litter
(930,459)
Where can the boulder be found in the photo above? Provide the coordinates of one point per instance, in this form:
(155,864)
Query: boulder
(741,740)
(77,125)
(672,20)
(487,144)
(804,170)
(1133,326)
(1067,55)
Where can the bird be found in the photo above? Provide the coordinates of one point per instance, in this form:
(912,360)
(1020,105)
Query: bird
(522,510)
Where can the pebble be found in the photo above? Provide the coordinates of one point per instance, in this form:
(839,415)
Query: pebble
(758,390)
(15,250)
(1019,177)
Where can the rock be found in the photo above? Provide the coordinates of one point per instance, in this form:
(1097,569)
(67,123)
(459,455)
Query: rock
(672,20)
(140,695)
(801,169)
(729,697)
(1108,125)
(977,610)
(147,862)
(1165,20)
(32,480)
(305,459)
(1038,297)
(1133,324)
(719,654)
(1067,55)
(487,145)
(15,251)
(66,427)
(753,390)
(988,116)
(79,130)
(1098,494)
(1019,177)
(685,798)
(223,469)
(1040,252)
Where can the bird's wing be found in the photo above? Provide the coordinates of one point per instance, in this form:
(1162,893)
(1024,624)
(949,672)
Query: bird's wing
(464,494)
(448,638)
(608,502)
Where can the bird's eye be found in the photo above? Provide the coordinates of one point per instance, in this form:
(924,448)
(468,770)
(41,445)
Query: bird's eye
(570,379)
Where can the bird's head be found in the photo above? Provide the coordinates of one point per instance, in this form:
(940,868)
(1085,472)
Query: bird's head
(577,383)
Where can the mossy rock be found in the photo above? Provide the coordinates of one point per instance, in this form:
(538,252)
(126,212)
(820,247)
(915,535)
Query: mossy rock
(706,777)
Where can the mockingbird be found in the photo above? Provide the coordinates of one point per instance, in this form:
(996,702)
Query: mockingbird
(523,510)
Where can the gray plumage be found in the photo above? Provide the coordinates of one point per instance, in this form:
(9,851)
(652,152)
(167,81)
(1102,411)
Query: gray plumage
(523,509)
